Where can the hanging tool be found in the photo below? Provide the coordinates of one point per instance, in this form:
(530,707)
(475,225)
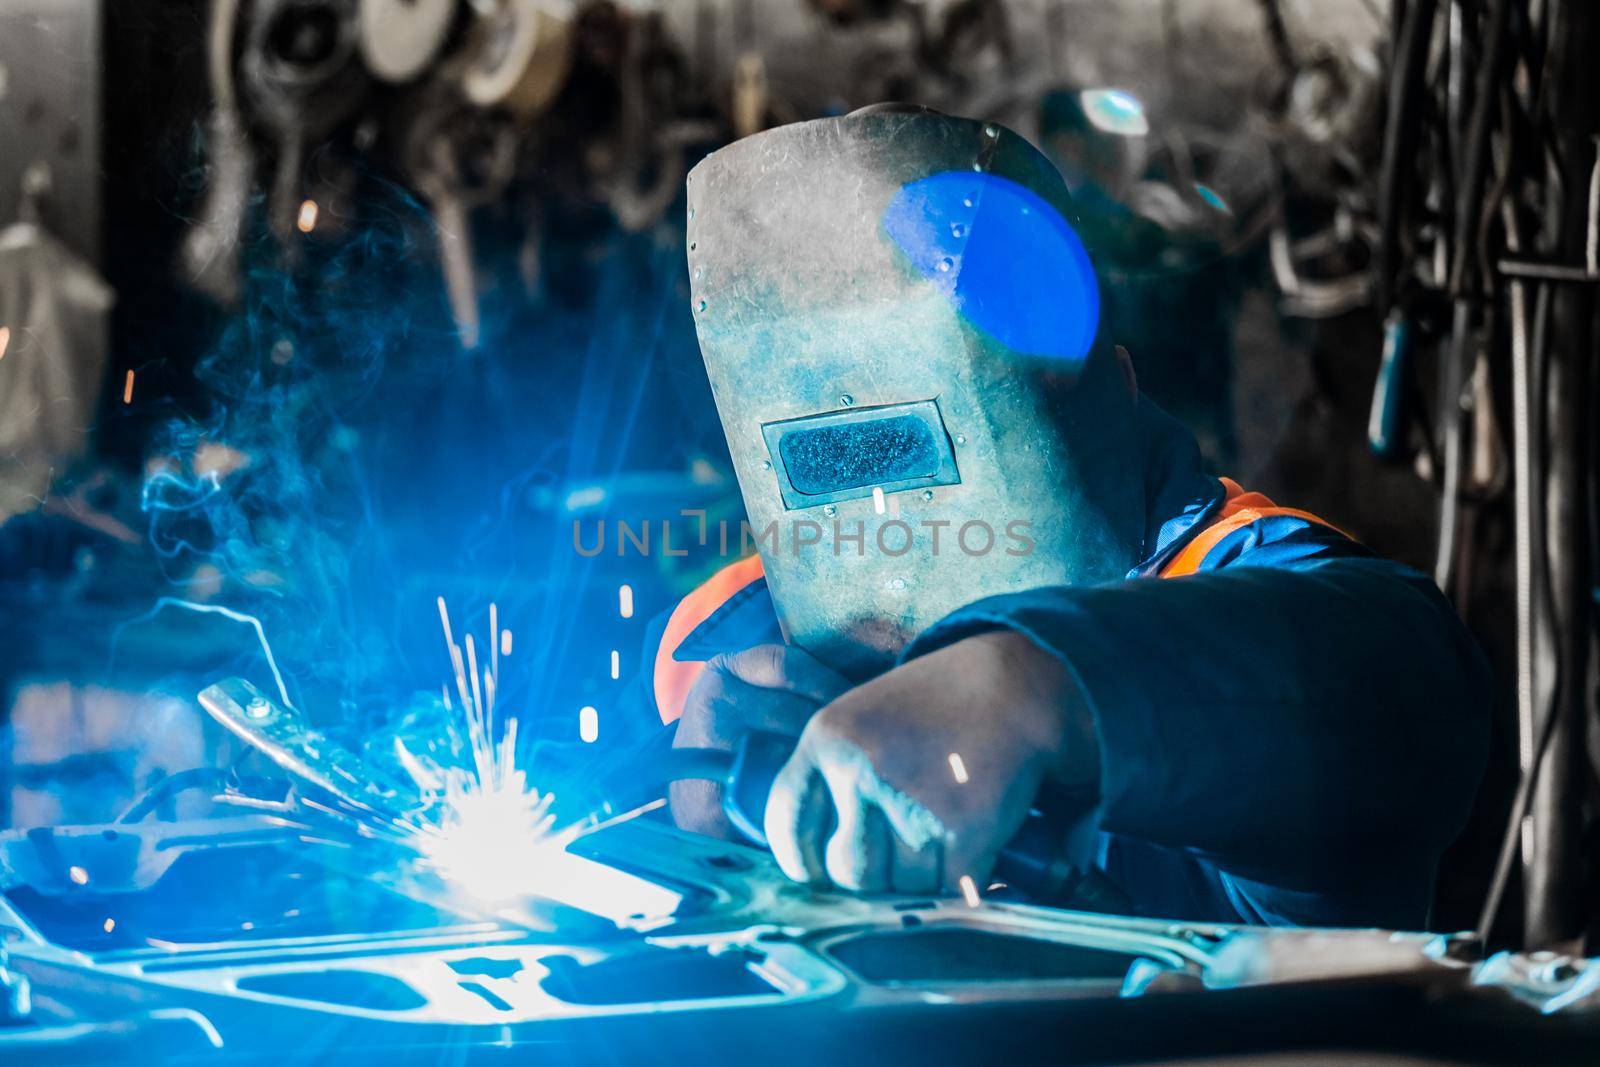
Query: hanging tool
(1386,425)
(518,56)
(400,39)
(460,159)
(300,78)
(210,251)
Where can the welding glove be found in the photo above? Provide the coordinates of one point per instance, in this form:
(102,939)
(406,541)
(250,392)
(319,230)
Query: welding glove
(769,687)
(920,776)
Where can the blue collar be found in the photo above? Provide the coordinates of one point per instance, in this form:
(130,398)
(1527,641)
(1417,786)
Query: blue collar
(1180,497)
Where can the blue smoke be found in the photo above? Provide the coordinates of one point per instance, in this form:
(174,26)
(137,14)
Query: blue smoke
(353,463)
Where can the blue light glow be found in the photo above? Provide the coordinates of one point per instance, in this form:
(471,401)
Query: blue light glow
(1114,111)
(1005,257)
(1212,197)
(590,496)
(496,843)
(344,461)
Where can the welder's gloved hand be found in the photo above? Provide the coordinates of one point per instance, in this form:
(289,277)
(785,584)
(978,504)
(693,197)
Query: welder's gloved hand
(769,687)
(871,799)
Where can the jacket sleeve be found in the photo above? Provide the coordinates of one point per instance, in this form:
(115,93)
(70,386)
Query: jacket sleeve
(1311,720)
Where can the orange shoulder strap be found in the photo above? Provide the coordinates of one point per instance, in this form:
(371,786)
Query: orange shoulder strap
(1239,509)
(674,679)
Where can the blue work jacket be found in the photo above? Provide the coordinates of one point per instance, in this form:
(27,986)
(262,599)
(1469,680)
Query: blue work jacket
(1290,733)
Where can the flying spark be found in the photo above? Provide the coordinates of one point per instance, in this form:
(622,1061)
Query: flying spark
(127,389)
(308,216)
(478,823)
(483,828)
(958,768)
(969,889)
(625,601)
(487,832)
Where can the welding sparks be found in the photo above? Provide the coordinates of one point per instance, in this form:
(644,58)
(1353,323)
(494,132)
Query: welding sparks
(491,840)
(483,829)
(127,388)
(476,822)
(307,220)
(487,831)
(494,643)
(477,704)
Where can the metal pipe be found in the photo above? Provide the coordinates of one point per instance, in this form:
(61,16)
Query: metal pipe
(1549,272)
(1462,337)
(1553,879)
(1525,539)
(1468,216)
(1475,153)
(1408,68)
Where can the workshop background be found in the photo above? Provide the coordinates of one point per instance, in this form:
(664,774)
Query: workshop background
(313,312)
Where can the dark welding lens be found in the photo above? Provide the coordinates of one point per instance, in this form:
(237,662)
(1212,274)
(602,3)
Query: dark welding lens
(834,458)
(846,454)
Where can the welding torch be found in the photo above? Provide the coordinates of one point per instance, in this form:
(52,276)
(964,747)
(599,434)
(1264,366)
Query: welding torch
(1037,862)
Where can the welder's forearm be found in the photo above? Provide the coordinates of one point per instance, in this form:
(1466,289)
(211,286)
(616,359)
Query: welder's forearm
(1067,740)
(1287,723)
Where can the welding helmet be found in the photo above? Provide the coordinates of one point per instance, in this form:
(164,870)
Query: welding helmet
(902,329)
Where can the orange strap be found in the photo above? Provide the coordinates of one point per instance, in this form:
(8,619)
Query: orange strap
(674,678)
(1239,509)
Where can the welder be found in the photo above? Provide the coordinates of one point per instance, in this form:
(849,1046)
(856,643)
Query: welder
(990,571)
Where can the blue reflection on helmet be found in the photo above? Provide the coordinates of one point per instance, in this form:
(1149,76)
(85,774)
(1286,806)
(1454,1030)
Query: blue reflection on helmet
(1010,263)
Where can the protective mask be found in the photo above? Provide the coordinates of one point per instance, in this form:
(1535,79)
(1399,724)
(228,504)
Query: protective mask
(902,331)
